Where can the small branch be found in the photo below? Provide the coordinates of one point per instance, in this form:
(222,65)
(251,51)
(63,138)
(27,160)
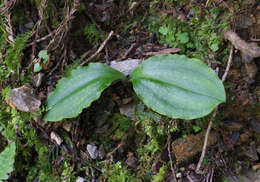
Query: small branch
(243,46)
(213,115)
(99,49)
(170,156)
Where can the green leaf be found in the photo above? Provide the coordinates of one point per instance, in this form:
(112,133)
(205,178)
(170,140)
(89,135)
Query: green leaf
(177,86)
(163,30)
(44,55)
(183,37)
(79,90)
(37,67)
(7,161)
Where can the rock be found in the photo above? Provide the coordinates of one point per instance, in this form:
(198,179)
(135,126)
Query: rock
(178,175)
(56,138)
(185,148)
(245,136)
(233,125)
(37,79)
(255,125)
(126,67)
(128,110)
(258,149)
(251,153)
(131,160)
(93,151)
(23,99)
(80,179)
(29,25)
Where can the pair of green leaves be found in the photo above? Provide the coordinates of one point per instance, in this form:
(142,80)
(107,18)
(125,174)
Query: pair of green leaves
(172,85)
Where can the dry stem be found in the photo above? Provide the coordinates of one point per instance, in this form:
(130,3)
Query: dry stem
(99,49)
(213,115)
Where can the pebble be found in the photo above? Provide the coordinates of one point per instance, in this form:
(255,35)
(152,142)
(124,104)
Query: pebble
(245,136)
(128,110)
(126,67)
(186,148)
(23,99)
(233,125)
(178,175)
(93,151)
(29,25)
(80,179)
(131,160)
(56,138)
(251,153)
(255,125)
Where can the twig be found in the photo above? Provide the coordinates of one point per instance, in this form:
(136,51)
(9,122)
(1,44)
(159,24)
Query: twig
(189,178)
(170,156)
(243,46)
(40,39)
(213,115)
(99,49)
(207,3)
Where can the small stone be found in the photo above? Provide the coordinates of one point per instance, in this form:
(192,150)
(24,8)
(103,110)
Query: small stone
(29,25)
(23,99)
(93,151)
(80,179)
(255,125)
(251,153)
(233,125)
(126,67)
(244,137)
(186,148)
(131,160)
(128,110)
(178,175)
(56,138)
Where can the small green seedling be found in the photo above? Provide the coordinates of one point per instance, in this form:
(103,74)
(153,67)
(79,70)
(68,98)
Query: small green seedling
(172,85)
(41,56)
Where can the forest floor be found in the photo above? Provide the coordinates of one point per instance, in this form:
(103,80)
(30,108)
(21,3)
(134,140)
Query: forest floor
(118,138)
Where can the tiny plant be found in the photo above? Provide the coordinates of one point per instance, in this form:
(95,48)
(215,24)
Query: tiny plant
(41,56)
(172,85)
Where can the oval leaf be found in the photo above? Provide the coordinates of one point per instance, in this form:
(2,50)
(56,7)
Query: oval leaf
(177,86)
(7,161)
(77,91)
